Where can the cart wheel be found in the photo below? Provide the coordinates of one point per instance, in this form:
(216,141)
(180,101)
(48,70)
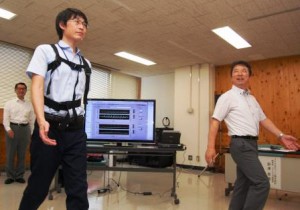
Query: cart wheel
(50,197)
(176,201)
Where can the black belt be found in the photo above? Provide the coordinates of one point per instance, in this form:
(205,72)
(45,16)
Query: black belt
(59,122)
(57,118)
(19,124)
(245,137)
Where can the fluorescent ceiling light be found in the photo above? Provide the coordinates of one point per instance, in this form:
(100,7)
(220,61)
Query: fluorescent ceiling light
(135,58)
(6,14)
(231,37)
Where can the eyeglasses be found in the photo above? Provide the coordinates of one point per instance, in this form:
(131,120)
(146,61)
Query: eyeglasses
(79,22)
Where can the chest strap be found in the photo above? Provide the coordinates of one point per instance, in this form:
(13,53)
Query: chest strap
(62,105)
(73,66)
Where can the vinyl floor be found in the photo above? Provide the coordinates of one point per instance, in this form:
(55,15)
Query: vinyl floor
(126,189)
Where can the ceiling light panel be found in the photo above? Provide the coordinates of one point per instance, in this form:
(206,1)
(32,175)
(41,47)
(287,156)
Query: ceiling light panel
(135,58)
(231,37)
(6,14)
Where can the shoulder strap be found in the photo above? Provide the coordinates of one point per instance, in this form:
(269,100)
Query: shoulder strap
(88,72)
(56,63)
(53,65)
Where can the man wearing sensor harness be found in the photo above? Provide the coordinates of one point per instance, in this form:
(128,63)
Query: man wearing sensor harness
(60,80)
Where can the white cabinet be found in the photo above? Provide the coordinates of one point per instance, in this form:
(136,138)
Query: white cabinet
(283,172)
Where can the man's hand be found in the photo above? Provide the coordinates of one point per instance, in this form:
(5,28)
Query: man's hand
(210,156)
(290,142)
(11,134)
(44,129)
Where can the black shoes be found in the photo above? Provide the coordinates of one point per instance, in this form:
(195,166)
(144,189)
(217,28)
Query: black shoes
(9,181)
(19,180)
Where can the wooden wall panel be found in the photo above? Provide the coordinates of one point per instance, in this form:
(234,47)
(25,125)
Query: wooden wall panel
(276,85)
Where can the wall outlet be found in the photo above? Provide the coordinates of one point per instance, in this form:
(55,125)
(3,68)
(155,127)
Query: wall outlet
(198,158)
(190,157)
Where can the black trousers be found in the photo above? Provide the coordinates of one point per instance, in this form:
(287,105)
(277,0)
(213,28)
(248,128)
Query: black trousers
(252,185)
(70,153)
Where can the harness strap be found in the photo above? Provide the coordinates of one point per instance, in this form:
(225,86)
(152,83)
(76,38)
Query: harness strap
(62,105)
(67,105)
(56,63)
(75,67)
(88,72)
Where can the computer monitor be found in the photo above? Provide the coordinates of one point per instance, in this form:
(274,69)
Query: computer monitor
(120,121)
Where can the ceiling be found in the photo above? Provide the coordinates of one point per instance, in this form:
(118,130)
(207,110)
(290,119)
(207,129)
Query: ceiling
(172,33)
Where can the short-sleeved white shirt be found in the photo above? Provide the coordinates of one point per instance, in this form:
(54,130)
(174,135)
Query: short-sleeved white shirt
(240,111)
(63,78)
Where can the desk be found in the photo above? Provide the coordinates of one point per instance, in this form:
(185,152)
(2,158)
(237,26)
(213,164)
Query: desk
(282,169)
(138,150)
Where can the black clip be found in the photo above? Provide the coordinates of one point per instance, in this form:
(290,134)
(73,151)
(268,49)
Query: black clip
(62,126)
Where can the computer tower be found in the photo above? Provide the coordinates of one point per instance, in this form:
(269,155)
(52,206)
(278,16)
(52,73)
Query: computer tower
(154,161)
(158,133)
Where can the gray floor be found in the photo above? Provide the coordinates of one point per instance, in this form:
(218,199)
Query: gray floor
(204,193)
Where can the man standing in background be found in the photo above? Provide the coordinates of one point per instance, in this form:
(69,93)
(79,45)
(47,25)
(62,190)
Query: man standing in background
(18,120)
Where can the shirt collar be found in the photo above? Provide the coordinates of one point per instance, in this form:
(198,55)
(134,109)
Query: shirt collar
(17,100)
(240,91)
(65,46)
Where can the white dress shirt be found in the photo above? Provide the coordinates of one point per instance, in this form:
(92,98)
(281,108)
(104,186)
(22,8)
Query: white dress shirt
(240,111)
(18,111)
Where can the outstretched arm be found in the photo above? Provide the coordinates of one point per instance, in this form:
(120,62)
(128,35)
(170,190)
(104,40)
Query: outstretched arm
(288,141)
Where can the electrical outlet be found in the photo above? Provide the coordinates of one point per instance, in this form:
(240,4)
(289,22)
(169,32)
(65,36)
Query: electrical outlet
(190,157)
(198,158)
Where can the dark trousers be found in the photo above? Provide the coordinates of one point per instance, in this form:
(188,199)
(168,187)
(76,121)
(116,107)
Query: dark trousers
(252,186)
(16,148)
(70,153)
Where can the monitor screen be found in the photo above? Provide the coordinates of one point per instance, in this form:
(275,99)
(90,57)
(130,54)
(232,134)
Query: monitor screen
(120,120)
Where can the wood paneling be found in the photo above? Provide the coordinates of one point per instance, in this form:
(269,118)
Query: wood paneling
(276,85)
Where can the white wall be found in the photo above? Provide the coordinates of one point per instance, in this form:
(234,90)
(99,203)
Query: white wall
(194,92)
(124,86)
(160,88)
(187,98)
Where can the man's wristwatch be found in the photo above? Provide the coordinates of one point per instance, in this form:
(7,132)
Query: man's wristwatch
(280,136)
